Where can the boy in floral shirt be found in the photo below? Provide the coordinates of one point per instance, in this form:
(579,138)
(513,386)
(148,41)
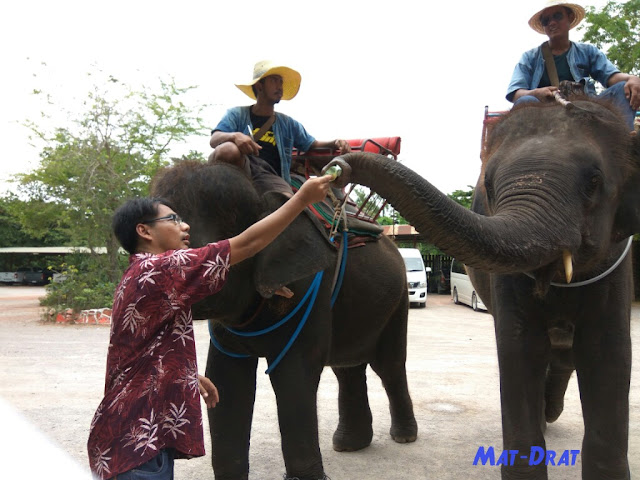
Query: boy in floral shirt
(151,412)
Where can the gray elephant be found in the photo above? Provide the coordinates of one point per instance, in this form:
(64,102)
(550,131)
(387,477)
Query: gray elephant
(555,207)
(367,324)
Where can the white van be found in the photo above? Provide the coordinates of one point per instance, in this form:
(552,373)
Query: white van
(462,290)
(416,275)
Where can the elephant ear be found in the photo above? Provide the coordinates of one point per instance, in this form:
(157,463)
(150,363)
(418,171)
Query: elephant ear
(627,221)
(298,252)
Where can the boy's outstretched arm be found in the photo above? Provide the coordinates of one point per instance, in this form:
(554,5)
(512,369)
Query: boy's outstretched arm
(262,233)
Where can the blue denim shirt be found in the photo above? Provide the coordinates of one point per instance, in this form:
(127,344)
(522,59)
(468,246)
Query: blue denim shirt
(586,63)
(288,133)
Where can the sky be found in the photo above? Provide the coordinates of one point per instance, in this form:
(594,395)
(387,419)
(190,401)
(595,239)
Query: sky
(421,71)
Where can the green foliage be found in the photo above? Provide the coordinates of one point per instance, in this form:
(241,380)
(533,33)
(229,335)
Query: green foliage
(616,30)
(372,202)
(396,219)
(108,154)
(12,234)
(463,197)
(86,286)
(90,163)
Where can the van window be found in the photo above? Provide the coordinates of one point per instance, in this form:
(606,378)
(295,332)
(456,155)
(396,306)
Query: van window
(458,267)
(413,264)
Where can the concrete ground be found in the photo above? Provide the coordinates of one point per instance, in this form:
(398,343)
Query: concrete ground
(52,376)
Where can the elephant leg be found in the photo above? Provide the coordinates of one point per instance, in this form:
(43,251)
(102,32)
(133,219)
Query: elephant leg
(556,382)
(390,365)
(523,357)
(354,431)
(295,383)
(230,420)
(603,366)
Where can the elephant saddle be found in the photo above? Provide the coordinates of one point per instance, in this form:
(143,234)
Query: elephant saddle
(358,221)
(359,231)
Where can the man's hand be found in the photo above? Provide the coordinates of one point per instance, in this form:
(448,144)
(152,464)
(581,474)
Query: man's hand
(343,146)
(632,91)
(315,189)
(544,94)
(246,145)
(208,391)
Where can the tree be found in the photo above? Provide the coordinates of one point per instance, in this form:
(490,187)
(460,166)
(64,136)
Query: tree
(616,31)
(106,155)
(11,232)
(463,197)
(371,204)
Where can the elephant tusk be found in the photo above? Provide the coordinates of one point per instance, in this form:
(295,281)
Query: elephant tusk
(568,265)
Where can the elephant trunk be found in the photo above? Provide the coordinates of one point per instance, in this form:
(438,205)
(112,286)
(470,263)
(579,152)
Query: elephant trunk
(503,243)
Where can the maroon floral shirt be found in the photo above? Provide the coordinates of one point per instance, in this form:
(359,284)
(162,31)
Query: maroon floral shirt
(151,398)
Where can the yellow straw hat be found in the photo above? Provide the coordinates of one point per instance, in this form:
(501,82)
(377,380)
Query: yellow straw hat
(578,12)
(290,79)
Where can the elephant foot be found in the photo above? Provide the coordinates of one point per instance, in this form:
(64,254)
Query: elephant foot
(351,440)
(404,433)
(324,477)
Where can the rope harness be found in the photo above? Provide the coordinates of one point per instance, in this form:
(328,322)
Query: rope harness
(597,277)
(310,296)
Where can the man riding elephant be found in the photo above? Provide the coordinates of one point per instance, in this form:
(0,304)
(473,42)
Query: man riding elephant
(258,138)
(540,70)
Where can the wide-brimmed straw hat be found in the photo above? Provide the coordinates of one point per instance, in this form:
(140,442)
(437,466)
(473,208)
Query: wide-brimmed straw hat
(290,79)
(578,13)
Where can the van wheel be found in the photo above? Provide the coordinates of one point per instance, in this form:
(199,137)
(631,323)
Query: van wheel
(455,296)
(474,302)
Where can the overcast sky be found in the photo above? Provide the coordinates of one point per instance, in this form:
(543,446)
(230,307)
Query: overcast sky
(422,71)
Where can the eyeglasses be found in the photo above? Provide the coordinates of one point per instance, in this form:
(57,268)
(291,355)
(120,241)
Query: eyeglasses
(174,217)
(546,20)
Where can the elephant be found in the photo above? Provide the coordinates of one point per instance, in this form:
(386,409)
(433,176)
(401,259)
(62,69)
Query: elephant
(546,244)
(367,324)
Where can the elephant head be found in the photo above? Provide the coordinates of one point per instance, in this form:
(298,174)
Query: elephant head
(219,201)
(559,186)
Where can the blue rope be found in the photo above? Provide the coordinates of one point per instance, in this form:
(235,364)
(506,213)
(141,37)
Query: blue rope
(315,286)
(343,264)
(219,347)
(281,322)
(313,291)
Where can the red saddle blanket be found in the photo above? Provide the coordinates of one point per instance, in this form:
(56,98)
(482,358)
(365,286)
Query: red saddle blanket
(382,145)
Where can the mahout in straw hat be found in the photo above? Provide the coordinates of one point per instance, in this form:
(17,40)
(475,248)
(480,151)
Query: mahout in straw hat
(578,14)
(290,79)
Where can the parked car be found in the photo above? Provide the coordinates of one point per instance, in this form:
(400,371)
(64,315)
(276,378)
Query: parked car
(462,290)
(9,277)
(416,275)
(22,272)
(36,276)
(57,277)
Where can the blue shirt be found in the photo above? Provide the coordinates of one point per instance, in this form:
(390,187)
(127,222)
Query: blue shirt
(288,133)
(586,63)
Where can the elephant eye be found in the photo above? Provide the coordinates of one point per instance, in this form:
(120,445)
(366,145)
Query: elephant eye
(594,183)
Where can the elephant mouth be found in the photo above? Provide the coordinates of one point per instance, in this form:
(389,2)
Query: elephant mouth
(556,273)
(553,272)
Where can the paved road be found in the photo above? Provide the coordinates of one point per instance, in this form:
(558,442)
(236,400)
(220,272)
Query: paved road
(54,375)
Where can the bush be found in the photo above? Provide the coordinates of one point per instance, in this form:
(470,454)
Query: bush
(86,286)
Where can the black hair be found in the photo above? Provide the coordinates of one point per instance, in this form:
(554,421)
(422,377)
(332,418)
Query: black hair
(130,214)
(253,87)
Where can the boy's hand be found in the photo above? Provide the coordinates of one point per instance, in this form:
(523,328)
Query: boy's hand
(208,391)
(315,189)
